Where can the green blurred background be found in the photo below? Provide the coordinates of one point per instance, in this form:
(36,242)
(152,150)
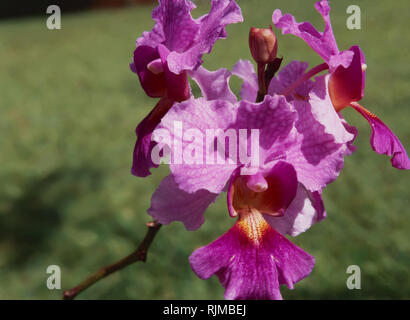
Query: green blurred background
(69,106)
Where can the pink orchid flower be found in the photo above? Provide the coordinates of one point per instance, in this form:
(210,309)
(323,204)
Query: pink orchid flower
(164,55)
(302,146)
(346,84)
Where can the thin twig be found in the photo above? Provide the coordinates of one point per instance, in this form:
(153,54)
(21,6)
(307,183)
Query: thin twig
(140,254)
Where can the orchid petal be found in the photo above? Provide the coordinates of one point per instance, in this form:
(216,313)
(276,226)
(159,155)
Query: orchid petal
(383,140)
(347,84)
(214,84)
(323,43)
(142,161)
(244,69)
(305,210)
(169,203)
(286,77)
(273,117)
(211,28)
(154,85)
(280,185)
(203,117)
(174,25)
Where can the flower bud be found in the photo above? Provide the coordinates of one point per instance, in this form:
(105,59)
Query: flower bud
(263,44)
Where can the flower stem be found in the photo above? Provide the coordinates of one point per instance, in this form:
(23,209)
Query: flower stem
(261,82)
(312,72)
(140,254)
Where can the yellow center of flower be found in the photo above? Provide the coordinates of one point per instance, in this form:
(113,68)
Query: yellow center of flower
(253,225)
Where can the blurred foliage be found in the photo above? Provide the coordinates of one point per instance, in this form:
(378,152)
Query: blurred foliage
(69,105)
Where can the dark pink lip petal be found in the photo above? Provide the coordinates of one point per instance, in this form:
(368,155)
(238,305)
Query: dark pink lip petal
(347,84)
(383,140)
(154,85)
(177,84)
(269,193)
(252,260)
(282,186)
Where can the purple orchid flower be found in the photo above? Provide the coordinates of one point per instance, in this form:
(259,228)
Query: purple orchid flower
(302,146)
(347,78)
(164,55)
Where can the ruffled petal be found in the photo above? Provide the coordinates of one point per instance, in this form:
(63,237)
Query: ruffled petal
(214,84)
(142,161)
(188,39)
(305,210)
(169,203)
(174,26)
(211,28)
(383,140)
(252,260)
(193,126)
(244,69)
(323,43)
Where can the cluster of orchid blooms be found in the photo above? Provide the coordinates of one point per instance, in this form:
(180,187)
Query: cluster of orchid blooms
(303,139)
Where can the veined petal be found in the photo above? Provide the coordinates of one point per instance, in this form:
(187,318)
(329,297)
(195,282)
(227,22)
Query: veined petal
(170,203)
(188,39)
(214,84)
(383,140)
(211,28)
(323,43)
(273,117)
(252,260)
(288,75)
(174,26)
(244,69)
(203,119)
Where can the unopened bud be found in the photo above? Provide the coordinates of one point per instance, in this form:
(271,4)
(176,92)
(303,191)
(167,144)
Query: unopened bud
(263,44)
